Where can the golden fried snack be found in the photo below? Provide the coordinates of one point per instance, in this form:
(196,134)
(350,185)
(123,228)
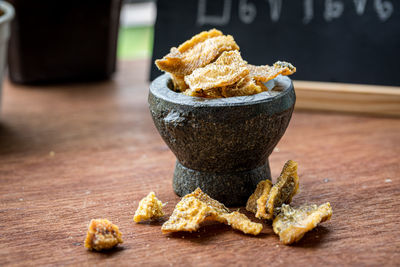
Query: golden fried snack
(210,202)
(261,192)
(179,83)
(198,207)
(239,221)
(199,64)
(228,69)
(212,93)
(198,38)
(262,200)
(245,86)
(266,200)
(265,73)
(149,208)
(283,190)
(262,86)
(102,234)
(195,53)
(291,224)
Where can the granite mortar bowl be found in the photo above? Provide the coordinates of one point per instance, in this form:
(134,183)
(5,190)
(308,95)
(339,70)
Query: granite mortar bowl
(222,145)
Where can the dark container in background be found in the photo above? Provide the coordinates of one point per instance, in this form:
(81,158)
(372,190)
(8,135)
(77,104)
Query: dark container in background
(63,41)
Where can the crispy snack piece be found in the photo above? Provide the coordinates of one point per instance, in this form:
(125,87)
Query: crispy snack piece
(198,207)
(149,208)
(197,52)
(191,211)
(239,221)
(212,93)
(246,86)
(265,73)
(179,83)
(228,69)
(291,224)
(102,234)
(283,190)
(261,191)
(198,38)
(262,86)
(266,200)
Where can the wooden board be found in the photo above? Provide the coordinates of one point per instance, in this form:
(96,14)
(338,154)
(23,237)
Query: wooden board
(76,152)
(344,97)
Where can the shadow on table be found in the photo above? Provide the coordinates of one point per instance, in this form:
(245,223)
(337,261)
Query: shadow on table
(313,239)
(10,141)
(108,253)
(157,222)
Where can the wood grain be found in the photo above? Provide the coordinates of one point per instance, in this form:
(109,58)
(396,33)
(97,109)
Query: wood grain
(351,98)
(76,152)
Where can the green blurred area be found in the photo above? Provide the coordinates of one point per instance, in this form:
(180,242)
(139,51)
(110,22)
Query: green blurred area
(135,42)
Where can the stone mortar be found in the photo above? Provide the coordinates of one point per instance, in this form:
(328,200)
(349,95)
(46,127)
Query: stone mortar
(221,145)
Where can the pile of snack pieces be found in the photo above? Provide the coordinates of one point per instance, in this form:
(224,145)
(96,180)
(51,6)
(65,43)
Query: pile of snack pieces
(210,65)
(270,202)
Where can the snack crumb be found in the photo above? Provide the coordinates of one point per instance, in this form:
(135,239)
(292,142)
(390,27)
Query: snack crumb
(102,234)
(149,208)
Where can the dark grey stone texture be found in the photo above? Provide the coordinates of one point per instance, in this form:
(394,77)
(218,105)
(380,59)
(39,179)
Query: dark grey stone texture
(222,145)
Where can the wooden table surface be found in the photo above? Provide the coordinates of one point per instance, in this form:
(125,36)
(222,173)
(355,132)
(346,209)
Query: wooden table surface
(75,152)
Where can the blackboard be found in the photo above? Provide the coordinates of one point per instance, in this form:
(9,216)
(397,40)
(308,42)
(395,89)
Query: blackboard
(350,41)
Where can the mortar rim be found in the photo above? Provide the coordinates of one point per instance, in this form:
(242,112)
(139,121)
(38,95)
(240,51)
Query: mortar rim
(159,88)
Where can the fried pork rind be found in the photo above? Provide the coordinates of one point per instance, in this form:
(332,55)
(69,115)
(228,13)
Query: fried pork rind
(102,234)
(292,223)
(179,83)
(265,73)
(226,77)
(198,207)
(245,86)
(261,193)
(266,200)
(212,93)
(239,221)
(149,208)
(195,53)
(283,190)
(228,69)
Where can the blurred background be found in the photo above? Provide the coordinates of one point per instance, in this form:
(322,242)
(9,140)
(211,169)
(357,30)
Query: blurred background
(137,29)
(328,40)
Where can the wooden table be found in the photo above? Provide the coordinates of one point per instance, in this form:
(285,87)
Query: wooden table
(71,153)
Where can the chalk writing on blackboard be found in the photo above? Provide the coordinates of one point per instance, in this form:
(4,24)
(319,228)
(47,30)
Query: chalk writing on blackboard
(203,18)
(360,6)
(333,9)
(275,9)
(247,11)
